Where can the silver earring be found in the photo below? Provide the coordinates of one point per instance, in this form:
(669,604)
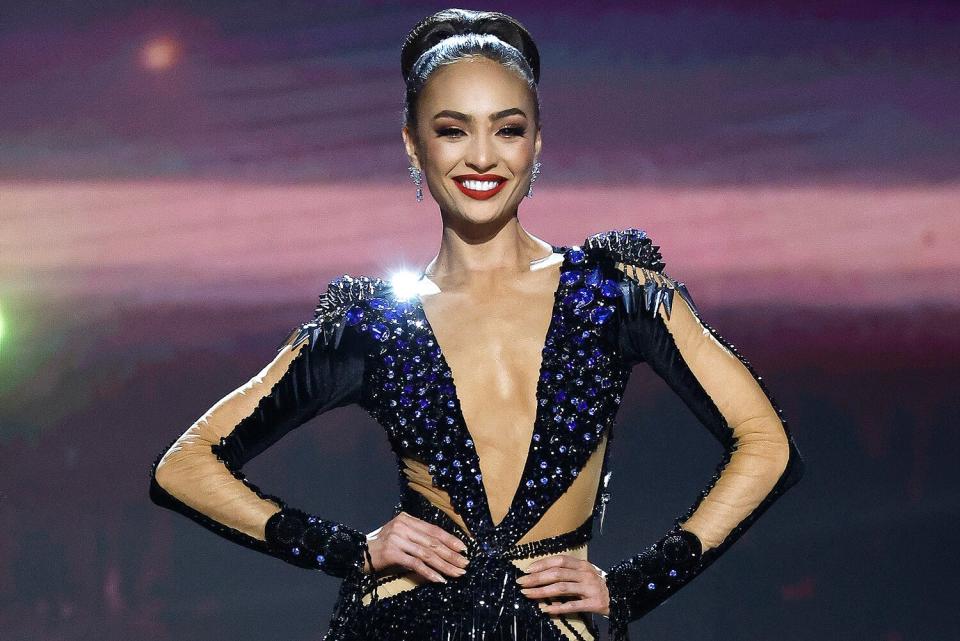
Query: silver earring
(417,178)
(533,178)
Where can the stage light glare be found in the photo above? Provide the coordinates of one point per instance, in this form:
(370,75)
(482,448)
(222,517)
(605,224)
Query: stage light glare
(405,284)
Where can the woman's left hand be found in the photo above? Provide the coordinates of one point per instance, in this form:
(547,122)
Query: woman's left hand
(565,575)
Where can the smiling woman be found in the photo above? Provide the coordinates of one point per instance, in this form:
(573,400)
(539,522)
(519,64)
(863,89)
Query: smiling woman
(497,374)
(474,130)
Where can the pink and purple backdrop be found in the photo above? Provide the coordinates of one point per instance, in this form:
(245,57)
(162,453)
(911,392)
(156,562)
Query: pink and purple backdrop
(179,180)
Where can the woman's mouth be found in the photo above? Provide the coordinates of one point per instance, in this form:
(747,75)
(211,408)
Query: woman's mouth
(480,187)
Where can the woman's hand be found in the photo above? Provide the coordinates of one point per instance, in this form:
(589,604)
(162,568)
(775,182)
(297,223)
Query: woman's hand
(411,543)
(565,575)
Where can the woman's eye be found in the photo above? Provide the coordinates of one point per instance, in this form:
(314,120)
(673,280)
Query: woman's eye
(514,131)
(509,132)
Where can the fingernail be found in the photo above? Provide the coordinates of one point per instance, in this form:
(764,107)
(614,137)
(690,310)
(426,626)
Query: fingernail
(441,579)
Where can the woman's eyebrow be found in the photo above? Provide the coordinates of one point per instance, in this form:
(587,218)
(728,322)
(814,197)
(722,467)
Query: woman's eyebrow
(459,115)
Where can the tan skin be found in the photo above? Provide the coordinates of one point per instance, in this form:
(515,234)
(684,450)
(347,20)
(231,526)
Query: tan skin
(493,285)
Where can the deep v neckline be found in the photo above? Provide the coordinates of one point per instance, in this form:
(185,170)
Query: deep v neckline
(461,422)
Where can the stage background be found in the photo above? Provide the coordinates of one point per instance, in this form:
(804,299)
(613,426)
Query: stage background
(180,180)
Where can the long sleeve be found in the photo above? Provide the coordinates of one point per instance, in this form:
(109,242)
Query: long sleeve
(317,368)
(760,459)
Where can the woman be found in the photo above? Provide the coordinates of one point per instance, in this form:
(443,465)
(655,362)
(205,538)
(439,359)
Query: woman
(497,374)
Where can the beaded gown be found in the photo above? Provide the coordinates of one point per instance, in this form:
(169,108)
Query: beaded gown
(371,344)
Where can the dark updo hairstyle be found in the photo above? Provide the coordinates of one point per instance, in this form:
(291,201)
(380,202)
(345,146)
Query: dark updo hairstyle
(454,34)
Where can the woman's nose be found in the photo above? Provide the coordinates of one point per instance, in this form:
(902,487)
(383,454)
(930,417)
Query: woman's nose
(480,155)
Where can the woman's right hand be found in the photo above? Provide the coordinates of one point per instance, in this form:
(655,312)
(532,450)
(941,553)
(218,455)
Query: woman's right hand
(411,543)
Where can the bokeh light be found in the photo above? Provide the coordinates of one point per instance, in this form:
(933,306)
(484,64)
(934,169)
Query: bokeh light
(160,53)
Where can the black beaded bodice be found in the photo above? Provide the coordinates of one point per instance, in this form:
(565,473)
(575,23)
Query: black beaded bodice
(410,390)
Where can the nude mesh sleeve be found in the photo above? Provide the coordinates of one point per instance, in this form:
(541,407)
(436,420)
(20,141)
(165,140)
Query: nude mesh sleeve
(200,473)
(727,396)
(662,327)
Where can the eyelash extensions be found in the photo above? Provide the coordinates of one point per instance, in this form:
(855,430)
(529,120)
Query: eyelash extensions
(517,131)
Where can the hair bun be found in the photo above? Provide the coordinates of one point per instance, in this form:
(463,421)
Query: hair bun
(450,22)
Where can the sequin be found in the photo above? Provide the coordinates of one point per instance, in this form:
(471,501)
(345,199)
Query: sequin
(354,315)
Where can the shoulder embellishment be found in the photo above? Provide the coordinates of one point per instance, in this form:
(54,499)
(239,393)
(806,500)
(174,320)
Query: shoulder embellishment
(647,286)
(334,311)
(629,246)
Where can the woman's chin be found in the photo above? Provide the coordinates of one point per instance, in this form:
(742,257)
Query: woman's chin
(481,215)
(481,212)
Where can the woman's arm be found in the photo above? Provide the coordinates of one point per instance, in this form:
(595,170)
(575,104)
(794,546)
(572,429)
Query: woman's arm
(317,368)
(760,459)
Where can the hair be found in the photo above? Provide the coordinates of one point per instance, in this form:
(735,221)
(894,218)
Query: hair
(454,34)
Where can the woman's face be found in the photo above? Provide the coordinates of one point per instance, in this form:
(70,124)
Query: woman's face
(476,139)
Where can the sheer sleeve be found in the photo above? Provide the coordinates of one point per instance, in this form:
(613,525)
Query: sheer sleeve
(317,368)
(760,459)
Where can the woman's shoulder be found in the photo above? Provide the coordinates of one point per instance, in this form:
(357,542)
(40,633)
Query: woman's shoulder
(630,257)
(339,306)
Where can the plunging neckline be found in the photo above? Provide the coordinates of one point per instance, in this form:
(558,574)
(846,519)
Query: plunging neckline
(469,440)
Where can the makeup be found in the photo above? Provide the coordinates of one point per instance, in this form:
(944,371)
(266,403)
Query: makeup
(480,186)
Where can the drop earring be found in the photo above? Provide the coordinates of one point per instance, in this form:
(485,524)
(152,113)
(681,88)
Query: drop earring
(417,177)
(533,178)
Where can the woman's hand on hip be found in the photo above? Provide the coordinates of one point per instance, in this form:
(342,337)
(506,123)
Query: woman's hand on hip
(564,575)
(413,544)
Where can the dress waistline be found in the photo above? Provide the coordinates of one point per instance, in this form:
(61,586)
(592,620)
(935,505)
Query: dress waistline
(482,594)
(419,506)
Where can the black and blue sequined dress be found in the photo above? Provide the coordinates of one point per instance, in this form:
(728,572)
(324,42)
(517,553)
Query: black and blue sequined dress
(614,308)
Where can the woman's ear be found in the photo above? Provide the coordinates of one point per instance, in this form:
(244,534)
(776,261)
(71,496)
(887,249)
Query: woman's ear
(536,146)
(410,142)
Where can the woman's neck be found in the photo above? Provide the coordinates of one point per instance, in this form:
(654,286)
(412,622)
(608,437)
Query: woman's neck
(508,250)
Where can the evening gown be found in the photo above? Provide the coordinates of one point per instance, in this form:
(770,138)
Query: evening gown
(369,342)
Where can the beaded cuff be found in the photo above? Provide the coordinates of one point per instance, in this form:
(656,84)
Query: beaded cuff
(642,582)
(310,542)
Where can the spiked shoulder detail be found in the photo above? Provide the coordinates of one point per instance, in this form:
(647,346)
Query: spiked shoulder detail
(333,311)
(633,253)
(629,246)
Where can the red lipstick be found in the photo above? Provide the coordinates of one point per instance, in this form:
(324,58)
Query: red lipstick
(475,193)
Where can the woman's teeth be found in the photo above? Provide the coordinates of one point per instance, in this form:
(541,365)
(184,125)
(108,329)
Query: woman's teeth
(480,185)
(481,189)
